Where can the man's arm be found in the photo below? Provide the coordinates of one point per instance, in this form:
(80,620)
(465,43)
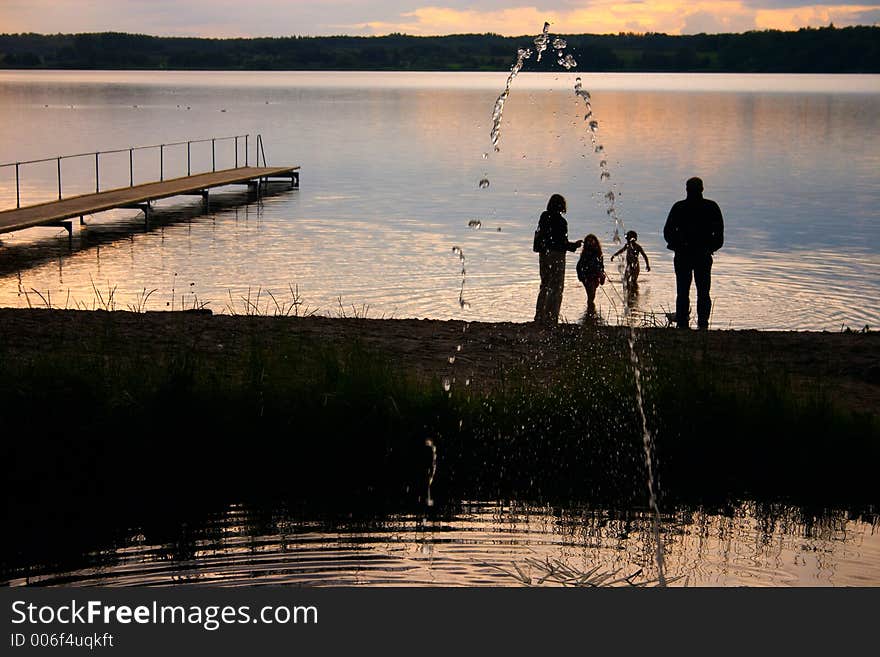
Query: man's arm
(717,234)
(672,228)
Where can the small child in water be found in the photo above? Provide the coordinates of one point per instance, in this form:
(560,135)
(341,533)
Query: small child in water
(633,251)
(591,270)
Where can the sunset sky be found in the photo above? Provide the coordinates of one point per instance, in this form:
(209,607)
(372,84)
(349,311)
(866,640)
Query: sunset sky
(226,18)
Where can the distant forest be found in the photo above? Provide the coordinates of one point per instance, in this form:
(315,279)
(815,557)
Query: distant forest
(808,50)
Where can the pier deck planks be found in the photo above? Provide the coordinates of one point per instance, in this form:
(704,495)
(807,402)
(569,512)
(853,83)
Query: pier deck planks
(77,206)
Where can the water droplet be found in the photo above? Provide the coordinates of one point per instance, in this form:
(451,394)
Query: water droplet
(594,126)
(599,148)
(476,224)
(568,62)
(559,43)
(604,175)
(467,382)
(484,183)
(447,384)
(458,347)
(541,41)
(451,360)
(485,156)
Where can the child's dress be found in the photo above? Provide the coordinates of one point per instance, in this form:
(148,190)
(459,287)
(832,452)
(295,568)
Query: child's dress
(591,269)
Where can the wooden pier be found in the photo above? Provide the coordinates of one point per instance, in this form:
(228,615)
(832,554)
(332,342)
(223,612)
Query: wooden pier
(59,213)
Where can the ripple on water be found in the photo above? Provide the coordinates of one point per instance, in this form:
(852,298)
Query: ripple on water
(750,545)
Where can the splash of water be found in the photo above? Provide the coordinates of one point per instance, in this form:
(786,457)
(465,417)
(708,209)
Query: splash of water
(498,111)
(542,40)
(610,198)
(457,250)
(604,174)
(430,443)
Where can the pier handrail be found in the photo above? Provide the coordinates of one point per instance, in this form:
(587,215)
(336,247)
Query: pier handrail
(261,150)
(130,151)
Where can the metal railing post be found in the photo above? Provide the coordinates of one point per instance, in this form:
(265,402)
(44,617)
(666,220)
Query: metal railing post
(259,150)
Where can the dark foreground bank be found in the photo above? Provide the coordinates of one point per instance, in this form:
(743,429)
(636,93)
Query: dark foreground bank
(115,419)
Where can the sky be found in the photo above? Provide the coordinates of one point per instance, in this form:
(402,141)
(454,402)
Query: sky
(234,18)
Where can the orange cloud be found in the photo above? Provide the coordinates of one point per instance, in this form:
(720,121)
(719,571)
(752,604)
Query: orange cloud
(612,16)
(792,18)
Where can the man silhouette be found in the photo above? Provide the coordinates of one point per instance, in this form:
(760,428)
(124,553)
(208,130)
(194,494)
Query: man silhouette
(694,230)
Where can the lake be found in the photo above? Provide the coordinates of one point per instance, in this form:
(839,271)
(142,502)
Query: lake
(481,544)
(391,164)
(390,195)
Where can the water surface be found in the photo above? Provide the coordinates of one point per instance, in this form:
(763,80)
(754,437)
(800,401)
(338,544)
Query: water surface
(390,170)
(483,544)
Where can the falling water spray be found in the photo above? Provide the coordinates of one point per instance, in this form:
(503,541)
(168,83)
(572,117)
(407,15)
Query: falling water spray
(568,62)
(610,209)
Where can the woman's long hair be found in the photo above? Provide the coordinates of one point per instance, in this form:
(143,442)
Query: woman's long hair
(592,245)
(556,204)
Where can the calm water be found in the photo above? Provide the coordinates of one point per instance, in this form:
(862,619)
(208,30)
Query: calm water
(390,170)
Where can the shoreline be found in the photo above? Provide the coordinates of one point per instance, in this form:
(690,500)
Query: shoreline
(844,365)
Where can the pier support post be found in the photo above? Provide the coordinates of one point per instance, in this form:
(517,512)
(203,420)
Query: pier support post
(68,226)
(146,208)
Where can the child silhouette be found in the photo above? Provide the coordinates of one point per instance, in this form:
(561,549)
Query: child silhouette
(633,250)
(591,270)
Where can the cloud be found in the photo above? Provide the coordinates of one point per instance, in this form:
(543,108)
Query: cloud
(612,16)
(710,23)
(315,17)
(793,18)
(868,17)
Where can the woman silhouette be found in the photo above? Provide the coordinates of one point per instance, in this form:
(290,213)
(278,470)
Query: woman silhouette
(551,244)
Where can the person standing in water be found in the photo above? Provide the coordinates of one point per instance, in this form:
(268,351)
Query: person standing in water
(591,270)
(633,250)
(694,230)
(551,243)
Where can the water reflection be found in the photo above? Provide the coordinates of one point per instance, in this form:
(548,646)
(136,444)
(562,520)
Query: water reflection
(473,544)
(384,199)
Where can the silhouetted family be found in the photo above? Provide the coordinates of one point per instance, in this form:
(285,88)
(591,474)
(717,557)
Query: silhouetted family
(694,230)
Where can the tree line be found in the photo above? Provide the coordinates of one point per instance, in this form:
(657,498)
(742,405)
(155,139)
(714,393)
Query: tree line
(808,50)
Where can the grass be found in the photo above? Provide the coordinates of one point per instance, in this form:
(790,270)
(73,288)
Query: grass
(549,571)
(119,425)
